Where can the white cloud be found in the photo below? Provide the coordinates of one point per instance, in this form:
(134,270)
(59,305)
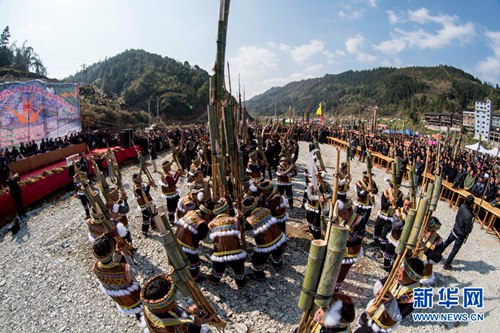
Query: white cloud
(304,52)
(422,16)
(255,57)
(372,3)
(490,67)
(351,15)
(365,57)
(281,46)
(449,32)
(330,56)
(353,46)
(442,38)
(253,64)
(314,68)
(391,46)
(281,81)
(393,17)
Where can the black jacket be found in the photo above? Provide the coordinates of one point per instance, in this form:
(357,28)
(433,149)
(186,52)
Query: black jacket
(463,222)
(459,179)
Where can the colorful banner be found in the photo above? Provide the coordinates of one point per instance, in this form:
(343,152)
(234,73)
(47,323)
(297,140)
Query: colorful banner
(35,110)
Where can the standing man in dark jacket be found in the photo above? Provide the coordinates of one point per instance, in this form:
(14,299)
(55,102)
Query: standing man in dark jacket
(15,192)
(459,180)
(461,230)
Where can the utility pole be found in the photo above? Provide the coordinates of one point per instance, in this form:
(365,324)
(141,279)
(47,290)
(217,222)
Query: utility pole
(158,108)
(149,113)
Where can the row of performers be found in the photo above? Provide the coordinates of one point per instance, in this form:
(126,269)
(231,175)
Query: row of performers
(265,213)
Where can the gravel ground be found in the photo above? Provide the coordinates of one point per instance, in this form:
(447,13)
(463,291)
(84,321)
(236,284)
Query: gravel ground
(47,285)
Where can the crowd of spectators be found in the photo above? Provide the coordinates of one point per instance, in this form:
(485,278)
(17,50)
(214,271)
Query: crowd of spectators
(475,172)
(472,171)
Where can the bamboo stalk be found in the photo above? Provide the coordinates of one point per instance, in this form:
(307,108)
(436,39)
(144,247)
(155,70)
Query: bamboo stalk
(436,191)
(426,169)
(405,234)
(335,192)
(181,275)
(337,241)
(411,178)
(320,158)
(402,249)
(313,271)
(417,225)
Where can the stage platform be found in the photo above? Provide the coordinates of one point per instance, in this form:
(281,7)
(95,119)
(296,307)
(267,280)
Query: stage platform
(50,178)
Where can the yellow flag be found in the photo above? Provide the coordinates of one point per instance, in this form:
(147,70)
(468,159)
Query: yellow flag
(319,110)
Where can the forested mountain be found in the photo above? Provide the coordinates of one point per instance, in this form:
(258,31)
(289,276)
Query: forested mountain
(138,76)
(100,110)
(407,92)
(19,59)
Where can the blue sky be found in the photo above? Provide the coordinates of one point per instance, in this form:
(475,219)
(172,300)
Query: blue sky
(270,42)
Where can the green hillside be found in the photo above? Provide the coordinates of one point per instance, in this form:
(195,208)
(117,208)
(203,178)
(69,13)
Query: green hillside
(137,76)
(408,92)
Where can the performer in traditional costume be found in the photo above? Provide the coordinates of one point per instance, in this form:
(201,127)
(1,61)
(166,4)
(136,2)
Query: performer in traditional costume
(145,202)
(225,234)
(192,228)
(397,303)
(96,228)
(274,201)
(284,174)
(366,195)
(195,166)
(343,174)
(269,239)
(117,279)
(389,202)
(342,188)
(190,201)
(432,247)
(199,183)
(317,197)
(254,167)
(118,207)
(354,250)
(169,190)
(78,180)
(162,314)
(397,224)
(337,318)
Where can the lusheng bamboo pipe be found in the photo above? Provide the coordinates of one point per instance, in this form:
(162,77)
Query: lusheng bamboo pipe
(104,215)
(333,202)
(337,241)
(100,176)
(412,191)
(369,168)
(175,156)
(320,158)
(426,169)
(144,168)
(402,249)
(181,275)
(432,199)
(311,278)
(348,158)
(335,252)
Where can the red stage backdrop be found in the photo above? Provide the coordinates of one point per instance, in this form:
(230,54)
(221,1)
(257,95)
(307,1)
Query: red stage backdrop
(34,110)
